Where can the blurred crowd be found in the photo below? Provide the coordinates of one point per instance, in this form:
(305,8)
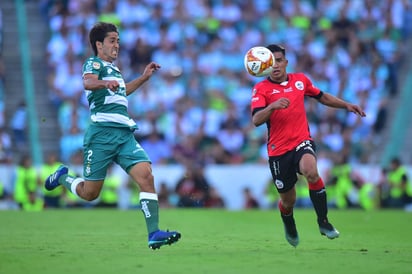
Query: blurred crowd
(197,106)
(195,110)
(192,188)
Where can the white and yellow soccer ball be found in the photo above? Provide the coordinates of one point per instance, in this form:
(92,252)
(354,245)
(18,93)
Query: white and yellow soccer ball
(259,61)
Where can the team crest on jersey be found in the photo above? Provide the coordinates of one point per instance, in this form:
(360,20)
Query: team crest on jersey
(96,65)
(299,85)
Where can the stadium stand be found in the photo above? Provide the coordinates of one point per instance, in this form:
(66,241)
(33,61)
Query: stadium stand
(200,44)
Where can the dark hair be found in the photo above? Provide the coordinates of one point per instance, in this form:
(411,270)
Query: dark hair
(99,32)
(277,48)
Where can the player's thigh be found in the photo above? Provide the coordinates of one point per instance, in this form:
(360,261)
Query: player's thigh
(97,159)
(283,172)
(308,164)
(100,149)
(306,158)
(135,161)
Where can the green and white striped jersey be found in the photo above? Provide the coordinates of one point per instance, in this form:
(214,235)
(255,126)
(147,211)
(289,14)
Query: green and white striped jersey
(107,108)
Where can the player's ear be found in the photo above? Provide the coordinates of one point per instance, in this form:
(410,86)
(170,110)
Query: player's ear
(99,45)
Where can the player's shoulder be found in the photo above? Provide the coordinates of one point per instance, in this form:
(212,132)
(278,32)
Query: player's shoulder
(297,76)
(92,63)
(262,83)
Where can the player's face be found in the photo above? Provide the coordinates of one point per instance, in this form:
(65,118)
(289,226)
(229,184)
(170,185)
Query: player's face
(109,49)
(279,69)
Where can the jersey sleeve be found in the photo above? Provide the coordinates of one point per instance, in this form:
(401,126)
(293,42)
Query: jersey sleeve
(258,100)
(311,90)
(92,65)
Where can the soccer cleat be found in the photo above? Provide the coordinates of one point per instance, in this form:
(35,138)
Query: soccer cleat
(53,180)
(159,238)
(328,230)
(291,233)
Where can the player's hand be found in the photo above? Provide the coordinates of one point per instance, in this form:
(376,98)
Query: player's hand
(281,103)
(356,109)
(151,68)
(113,85)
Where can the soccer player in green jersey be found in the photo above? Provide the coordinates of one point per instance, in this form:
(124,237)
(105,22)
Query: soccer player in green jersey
(109,137)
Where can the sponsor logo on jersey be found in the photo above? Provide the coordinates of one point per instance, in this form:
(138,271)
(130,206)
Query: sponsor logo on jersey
(274,91)
(289,89)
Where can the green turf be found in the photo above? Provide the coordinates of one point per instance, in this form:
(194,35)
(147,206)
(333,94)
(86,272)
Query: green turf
(213,241)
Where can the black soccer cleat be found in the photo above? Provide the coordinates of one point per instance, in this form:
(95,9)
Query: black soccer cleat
(327,229)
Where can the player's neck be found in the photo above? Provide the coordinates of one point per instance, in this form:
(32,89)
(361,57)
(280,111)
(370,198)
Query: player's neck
(279,81)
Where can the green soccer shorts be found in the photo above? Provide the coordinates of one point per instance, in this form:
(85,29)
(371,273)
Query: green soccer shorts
(105,145)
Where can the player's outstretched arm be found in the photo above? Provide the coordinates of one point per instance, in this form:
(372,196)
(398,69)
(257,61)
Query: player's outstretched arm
(147,73)
(335,102)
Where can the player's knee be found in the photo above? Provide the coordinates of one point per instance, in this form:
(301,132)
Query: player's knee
(311,175)
(90,195)
(289,203)
(288,199)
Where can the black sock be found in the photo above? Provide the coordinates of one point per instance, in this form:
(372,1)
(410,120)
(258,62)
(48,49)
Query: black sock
(319,201)
(289,223)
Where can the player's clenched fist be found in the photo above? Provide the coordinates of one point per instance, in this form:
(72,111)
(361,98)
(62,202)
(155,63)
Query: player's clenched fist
(112,85)
(280,104)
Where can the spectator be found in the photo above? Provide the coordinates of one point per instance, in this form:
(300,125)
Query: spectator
(6,147)
(400,187)
(213,199)
(192,188)
(165,196)
(25,191)
(249,202)
(18,125)
(109,197)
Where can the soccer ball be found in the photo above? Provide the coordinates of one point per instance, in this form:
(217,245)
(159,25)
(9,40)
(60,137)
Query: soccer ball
(259,61)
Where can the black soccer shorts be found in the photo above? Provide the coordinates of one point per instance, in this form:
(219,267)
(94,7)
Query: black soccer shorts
(284,168)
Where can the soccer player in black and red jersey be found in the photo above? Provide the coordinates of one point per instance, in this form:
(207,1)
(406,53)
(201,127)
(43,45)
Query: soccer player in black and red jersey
(278,102)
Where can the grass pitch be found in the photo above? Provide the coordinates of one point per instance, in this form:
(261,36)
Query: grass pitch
(213,241)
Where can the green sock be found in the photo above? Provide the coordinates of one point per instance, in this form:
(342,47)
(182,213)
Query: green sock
(67,181)
(150,209)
